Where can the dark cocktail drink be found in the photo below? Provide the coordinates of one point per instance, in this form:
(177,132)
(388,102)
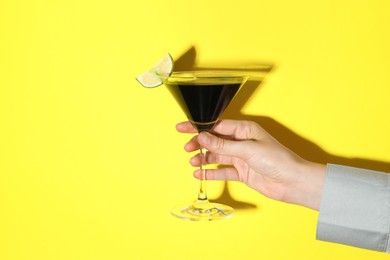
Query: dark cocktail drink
(203,103)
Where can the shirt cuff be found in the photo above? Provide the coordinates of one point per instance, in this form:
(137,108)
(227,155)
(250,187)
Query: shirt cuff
(355,208)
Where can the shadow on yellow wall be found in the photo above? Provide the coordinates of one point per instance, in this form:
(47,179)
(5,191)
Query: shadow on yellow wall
(298,144)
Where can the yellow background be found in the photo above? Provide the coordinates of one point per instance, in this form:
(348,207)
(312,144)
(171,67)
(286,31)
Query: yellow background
(90,162)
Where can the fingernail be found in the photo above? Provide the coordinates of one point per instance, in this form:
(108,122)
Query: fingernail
(186,147)
(192,161)
(197,174)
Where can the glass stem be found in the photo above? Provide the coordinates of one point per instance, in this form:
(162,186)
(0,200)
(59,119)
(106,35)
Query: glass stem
(202,196)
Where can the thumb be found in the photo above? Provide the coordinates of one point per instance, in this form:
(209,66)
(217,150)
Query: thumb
(241,149)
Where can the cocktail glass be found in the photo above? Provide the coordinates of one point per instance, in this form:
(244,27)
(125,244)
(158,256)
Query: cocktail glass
(203,96)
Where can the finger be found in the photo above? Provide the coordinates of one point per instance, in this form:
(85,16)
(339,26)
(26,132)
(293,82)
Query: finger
(228,174)
(185,127)
(241,149)
(239,130)
(192,145)
(211,158)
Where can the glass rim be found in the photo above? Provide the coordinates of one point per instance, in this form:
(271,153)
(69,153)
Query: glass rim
(206,74)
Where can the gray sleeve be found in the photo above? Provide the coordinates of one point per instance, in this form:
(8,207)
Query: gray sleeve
(355,208)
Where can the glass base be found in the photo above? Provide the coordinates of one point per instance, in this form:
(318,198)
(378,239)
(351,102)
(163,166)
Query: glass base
(203,210)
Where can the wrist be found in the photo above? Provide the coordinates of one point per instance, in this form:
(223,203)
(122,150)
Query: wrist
(306,190)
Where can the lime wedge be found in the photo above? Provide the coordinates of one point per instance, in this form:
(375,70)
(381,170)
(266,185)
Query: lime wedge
(152,77)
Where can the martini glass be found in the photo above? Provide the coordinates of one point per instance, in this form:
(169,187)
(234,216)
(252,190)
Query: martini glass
(203,96)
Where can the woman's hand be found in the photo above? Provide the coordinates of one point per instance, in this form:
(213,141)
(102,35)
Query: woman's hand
(258,160)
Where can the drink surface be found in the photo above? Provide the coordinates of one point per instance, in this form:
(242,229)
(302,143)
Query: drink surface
(203,103)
